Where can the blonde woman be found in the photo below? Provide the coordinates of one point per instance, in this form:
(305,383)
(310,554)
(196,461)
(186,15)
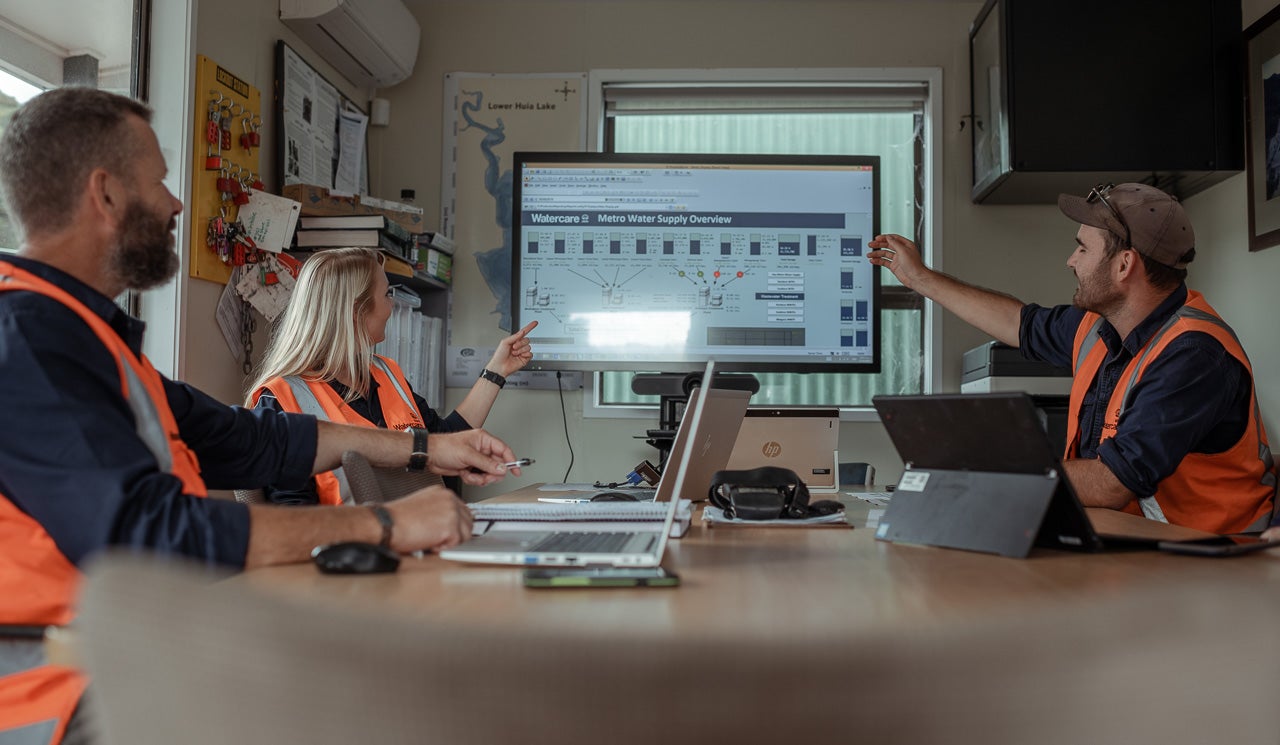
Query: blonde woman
(321,361)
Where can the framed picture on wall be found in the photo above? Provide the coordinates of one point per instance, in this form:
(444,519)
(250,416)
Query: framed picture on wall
(1262,123)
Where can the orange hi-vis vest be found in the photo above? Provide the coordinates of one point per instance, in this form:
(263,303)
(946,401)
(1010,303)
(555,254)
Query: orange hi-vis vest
(37,582)
(1228,492)
(315,397)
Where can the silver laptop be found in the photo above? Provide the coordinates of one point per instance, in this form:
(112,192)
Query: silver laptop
(803,439)
(702,445)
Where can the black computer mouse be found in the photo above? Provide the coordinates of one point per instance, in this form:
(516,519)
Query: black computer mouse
(613,496)
(354,557)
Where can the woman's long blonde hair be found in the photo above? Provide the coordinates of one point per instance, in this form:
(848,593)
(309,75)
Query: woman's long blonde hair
(321,335)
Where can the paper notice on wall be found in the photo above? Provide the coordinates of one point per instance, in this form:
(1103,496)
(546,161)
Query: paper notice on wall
(351,129)
(230,315)
(465,364)
(270,220)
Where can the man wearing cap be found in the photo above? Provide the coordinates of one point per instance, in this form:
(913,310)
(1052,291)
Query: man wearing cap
(1164,421)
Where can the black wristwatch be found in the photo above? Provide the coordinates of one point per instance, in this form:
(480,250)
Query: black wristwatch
(493,377)
(386,521)
(418,458)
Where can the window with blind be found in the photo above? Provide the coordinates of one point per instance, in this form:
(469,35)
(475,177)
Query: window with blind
(884,118)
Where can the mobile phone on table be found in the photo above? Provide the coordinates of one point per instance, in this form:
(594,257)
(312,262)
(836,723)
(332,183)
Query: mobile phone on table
(601,577)
(1227,545)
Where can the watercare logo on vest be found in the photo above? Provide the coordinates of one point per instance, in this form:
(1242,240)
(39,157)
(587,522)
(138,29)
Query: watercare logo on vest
(771,449)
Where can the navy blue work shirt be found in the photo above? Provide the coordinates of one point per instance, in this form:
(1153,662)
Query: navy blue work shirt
(1194,398)
(371,409)
(70,456)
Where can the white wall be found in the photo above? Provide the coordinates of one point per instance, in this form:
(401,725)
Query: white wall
(1239,284)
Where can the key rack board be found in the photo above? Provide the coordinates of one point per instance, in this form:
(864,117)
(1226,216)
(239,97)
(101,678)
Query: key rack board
(234,142)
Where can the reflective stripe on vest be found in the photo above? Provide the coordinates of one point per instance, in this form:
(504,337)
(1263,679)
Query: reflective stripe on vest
(140,384)
(297,394)
(37,581)
(1224,492)
(309,404)
(36,704)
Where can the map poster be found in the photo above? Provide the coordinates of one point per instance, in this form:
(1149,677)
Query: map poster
(487,118)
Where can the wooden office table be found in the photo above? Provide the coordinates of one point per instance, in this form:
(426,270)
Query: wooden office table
(814,636)
(754,584)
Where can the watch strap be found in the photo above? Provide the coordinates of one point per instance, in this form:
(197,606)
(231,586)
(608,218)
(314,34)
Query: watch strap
(418,458)
(493,377)
(386,521)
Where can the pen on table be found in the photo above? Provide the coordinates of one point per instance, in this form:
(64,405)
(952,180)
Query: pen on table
(563,500)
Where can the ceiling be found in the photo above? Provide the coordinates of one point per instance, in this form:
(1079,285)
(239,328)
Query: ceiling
(103,28)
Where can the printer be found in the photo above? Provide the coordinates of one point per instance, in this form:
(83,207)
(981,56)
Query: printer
(999,368)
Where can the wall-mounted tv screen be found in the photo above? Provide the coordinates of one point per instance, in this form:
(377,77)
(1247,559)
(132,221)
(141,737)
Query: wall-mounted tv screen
(659,262)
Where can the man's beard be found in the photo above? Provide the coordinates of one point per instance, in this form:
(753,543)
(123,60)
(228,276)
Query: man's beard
(1096,293)
(143,257)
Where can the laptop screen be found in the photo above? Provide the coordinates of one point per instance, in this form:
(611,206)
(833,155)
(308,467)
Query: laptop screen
(995,432)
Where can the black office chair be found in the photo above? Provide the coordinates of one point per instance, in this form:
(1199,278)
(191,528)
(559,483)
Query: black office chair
(857,474)
(374,484)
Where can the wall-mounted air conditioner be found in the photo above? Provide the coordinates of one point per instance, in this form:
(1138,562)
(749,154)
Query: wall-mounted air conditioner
(373,43)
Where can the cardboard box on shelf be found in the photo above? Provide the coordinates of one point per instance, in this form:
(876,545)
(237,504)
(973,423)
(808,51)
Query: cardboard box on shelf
(436,264)
(316,200)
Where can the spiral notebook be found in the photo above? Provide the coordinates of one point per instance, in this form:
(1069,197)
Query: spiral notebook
(579,517)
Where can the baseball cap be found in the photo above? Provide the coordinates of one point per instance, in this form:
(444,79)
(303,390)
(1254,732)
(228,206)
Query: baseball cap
(1157,226)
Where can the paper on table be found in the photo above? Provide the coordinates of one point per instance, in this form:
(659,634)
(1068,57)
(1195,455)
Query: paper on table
(714,516)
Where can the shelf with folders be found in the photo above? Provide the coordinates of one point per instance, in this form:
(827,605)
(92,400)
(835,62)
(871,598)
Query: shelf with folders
(415,337)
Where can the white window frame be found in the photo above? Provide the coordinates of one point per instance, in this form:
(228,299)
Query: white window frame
(932,232)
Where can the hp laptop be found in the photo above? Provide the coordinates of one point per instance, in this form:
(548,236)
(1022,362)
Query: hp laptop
(804,440)
(981,474)
(702,445)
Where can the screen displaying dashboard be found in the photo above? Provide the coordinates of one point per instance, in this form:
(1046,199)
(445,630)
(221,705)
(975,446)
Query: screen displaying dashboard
(660,262)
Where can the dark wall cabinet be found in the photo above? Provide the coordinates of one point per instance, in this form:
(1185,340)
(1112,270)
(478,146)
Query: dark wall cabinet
(1066,95)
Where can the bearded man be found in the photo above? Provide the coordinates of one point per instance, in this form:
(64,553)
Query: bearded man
(1164,419)
(100,450)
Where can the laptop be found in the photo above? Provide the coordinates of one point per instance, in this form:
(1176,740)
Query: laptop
(802,439)
(702,445)
(980,474)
